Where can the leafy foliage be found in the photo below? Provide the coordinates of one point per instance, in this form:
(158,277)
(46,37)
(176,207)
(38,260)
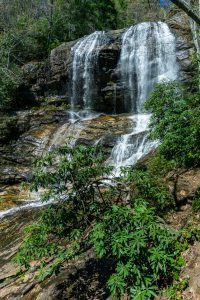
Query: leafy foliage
(10,73)
(116,215)
(149,187)
(196,201)
(191,232)
(174,291)
(144,250)
(71,179)
(42,26)
(29,30)
(175,122)
(159,166)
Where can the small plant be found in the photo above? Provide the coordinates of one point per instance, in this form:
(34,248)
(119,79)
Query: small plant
(196,201)
(191,233)
(143,248)
(1,200)
(149,187)
(174,291)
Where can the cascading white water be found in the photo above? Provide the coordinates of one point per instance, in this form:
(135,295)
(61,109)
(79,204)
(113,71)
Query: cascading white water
(84,57)
(133,146)
(84,60)
(147,57)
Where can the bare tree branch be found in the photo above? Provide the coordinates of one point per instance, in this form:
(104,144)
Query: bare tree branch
(187,9)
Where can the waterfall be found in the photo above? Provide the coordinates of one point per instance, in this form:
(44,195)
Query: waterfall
(133,146)
(147,57)
(84,60)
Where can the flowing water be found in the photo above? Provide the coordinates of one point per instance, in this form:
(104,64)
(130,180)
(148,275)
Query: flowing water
(84,60)
(29,205)
(68,132)
(147,57)
(133,146)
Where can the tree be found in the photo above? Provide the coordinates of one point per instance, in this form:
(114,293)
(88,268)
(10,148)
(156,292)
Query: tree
(30,29)
(187,9)
(87,210)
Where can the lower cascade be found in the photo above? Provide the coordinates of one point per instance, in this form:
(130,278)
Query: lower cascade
(131,147)
(147,57)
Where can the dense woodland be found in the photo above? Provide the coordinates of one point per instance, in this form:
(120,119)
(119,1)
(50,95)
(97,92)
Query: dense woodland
(123,218)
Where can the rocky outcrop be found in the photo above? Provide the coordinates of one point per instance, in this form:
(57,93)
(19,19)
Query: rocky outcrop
(24,135)
(52,77)
(82,278)
(183,184)
(27,135)
(180,25)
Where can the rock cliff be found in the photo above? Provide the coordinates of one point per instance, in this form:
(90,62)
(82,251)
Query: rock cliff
(27,134)
(52,77)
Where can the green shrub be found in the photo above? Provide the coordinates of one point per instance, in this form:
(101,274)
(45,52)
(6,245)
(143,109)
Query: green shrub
(196,201)
(144,251)
(191,232)
(10,73)
(149,187)
(143,248)
(9,81)
(159,166)
(176,123)
(72,179)
(174,292)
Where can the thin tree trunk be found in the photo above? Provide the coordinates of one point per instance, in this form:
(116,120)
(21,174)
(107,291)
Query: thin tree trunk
(182,4)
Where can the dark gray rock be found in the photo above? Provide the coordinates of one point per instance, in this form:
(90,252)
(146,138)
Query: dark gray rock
(180,26)
(25,135)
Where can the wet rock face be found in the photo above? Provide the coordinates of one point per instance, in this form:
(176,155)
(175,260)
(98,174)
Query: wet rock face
(25,135)
(180,26)
(52,77)
(184,184)
(83,278)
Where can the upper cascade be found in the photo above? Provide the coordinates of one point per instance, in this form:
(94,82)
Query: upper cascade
(84,61)
(147,57)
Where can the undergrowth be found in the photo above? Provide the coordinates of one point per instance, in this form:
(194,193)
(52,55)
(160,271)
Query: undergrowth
(123,218)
